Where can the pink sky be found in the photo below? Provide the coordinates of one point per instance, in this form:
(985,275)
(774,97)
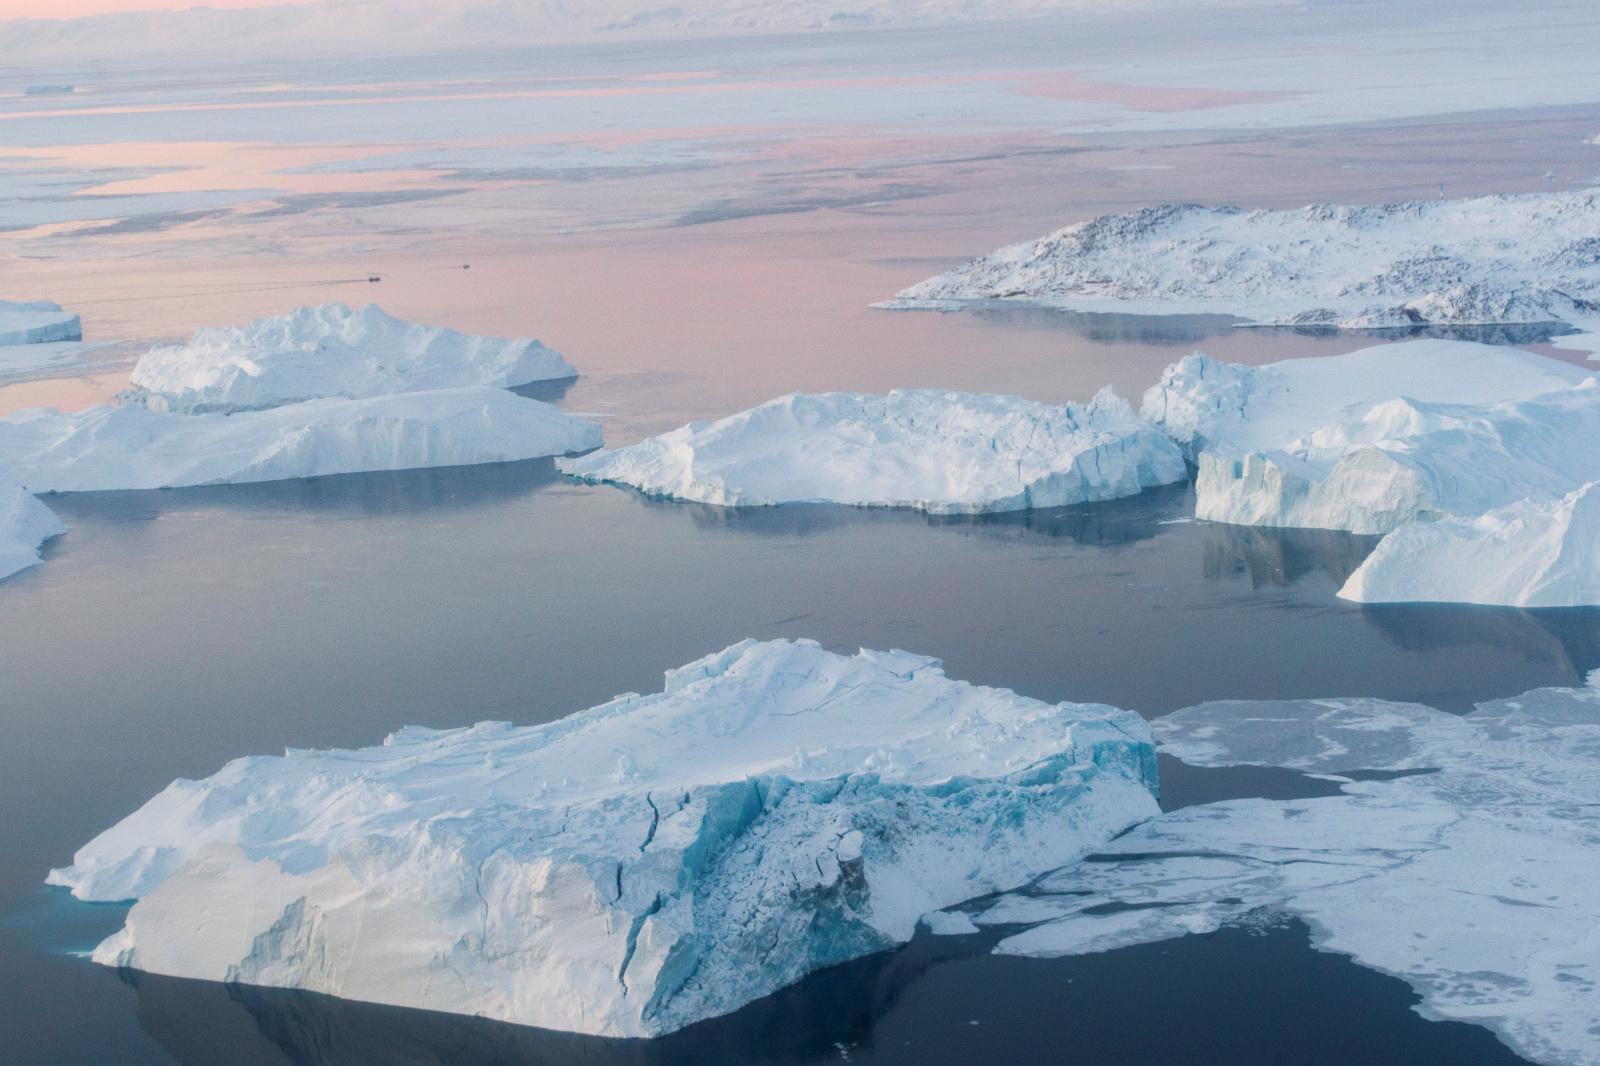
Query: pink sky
(66,9)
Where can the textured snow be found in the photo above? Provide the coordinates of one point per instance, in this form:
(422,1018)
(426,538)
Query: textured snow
(131,447)
(1372,440)
(38,322)
(943,452)
(1527,554)
(25,524)
(1494,259)
(1475,883)
(630,869)
(329,351)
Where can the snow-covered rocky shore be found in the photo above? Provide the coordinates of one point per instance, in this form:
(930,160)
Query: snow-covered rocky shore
(329,351)
(942,452)
(132,447)
(25,524)
(1472,879)
(38,322)
(633,868)
(1493,259)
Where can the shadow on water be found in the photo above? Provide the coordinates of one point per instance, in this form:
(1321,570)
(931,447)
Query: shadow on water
(353,495)
(1242,996)
(1109,523)
(1176,330)
(546,391)
(1567,637)
(1280,557)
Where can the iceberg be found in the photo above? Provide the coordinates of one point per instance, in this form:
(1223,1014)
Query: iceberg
(39,322)
(633,868)
(329,351)
(1469,874)
(25,524)
(1370,441)
(941,452)
(132,447)
(1492,259)
(1527,554)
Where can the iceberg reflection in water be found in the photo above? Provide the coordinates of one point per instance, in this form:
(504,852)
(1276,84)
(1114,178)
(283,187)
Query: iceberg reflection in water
(1249,997)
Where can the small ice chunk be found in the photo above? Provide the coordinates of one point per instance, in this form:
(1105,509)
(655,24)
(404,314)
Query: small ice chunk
(39,322)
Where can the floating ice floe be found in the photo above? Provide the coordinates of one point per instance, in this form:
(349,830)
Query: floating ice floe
(329,351)
(25,524)
(131,447)
(38,322)
(943,452)
(1472,880)
(636,867)
(1494,259)
(1527,554)
(1372,440)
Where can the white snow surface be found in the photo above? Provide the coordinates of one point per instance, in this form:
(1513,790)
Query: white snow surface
(38,322)
(25,524)
(1372,440)
(1494,259)
(329,351)
(1527,554)
(630,869)
(1474,884)
(942,452)
(132,447)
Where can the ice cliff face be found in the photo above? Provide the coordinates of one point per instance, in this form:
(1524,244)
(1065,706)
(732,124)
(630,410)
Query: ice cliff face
(1495,259)
(131,447)
(329,351)
(1472,881)
(37,323)
(25,524)
(630,869)
(1526,554)
(943,452)
(1370,441)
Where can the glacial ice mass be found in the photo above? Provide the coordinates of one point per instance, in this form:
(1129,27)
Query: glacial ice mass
(25,524)
(132,447)
(636,867)
(942,452)
(1472,881)
(38,322)
(329,351)
(1493,259)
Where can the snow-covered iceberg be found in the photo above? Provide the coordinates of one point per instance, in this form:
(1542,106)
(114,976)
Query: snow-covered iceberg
(329,351)
(25,524)
(942,452)
(1372,440)
(38,322)
(1472,878)
(1527,554)
(131,447)
(1493,259)
(630,869)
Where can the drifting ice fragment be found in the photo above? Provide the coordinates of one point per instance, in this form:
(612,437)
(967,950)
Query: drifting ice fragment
(329,351)
(683,866)
(942,452)
(37,323)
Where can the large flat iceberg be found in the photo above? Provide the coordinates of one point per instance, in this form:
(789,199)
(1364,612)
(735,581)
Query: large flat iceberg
(25,524)
(1370,441)
(1494,259)
(1472,879)
(1526,554)
(633,868)
(38,322)
(329,351)
(131,447)
(943,452)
